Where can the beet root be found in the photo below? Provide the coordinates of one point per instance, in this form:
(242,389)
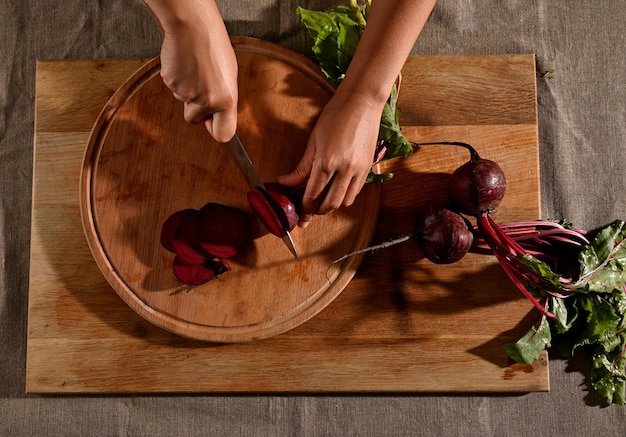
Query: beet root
(187,245)
(202,239)
(222,230)
(442,234)
(286,213)
(477,186)
(199,274)
(168,230)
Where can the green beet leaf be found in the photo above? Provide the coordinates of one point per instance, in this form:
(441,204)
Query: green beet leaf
(603,321)
(566,314)
(608,377)
(605,257)
(528,348)
(336,34)
(542,269)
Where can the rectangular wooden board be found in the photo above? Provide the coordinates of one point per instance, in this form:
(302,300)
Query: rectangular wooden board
(402,325)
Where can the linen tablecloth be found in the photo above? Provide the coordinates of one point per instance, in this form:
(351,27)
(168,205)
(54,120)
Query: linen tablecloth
(582,133)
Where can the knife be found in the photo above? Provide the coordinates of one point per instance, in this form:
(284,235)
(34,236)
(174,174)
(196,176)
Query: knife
(243,161)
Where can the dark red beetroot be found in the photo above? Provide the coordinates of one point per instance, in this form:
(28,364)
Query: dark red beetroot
(202,239)
(287,201)
(477,186)
(442,234)
(168,231)
(199,274)
(187,242)
(284,199)
(222,230)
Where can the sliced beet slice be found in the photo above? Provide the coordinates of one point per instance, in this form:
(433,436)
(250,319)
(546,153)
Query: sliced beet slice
(192,274)
(186,242)
(287,201)
(222,229)
(201,273)
(264,212)
(280,196)
(168,230)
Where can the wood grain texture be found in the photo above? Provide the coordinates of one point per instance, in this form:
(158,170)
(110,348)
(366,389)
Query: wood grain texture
(401,325)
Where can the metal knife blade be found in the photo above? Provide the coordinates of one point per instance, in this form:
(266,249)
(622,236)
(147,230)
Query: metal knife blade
(243,161)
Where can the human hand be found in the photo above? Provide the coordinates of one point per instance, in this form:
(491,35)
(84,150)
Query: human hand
(198,64)
(338,155)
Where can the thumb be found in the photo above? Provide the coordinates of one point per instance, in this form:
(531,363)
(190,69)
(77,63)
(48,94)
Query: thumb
(222,125)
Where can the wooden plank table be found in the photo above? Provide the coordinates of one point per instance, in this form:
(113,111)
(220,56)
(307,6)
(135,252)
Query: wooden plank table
(401,325)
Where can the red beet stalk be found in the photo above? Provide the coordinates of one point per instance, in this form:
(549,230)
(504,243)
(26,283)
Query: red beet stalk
(512,242)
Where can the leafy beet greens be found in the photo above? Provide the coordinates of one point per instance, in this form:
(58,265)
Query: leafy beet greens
(585,310)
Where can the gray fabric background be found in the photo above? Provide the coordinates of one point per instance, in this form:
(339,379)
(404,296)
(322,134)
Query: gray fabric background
(582,121)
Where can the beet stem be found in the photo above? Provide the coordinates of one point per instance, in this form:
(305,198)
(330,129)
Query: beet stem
(473,153)
(506,252)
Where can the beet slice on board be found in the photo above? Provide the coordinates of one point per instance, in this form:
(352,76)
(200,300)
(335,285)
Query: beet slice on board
(199,274)
(186,241)
(191,275)
(223,230)
(168,230)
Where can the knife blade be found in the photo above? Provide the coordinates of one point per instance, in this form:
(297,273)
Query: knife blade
(243,161)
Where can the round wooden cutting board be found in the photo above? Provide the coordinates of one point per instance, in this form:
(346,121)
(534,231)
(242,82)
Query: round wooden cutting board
(143,162)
